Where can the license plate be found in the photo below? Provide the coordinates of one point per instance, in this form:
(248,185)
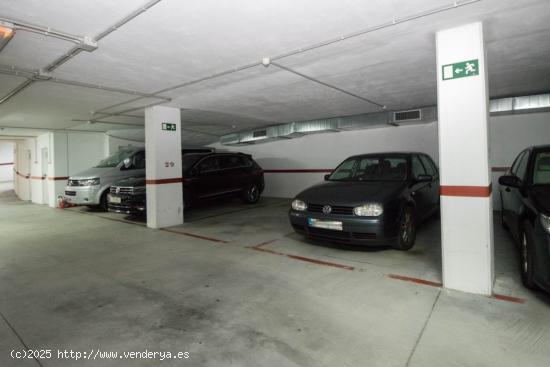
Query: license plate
(325,224)
(115,199)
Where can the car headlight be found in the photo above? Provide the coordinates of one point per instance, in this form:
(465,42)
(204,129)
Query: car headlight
(545,221)
(368,210)
(90,182)
(299,205)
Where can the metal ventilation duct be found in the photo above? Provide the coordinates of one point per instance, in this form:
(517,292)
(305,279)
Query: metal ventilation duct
(520,104)
(299,129)
(423,115)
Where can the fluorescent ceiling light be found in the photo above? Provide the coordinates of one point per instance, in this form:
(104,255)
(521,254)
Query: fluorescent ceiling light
(6,33)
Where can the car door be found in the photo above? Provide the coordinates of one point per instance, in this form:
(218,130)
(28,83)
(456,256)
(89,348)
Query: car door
(209,177)
(433,187)
(515,195)
(420,190)
(233,171)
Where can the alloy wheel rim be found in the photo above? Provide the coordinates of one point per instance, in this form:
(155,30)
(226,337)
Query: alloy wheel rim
(252,193)
(406,227)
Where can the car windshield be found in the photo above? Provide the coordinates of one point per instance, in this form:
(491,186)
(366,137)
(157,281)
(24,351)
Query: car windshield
(115,159)
(188,160)
(541,173)
(371,168)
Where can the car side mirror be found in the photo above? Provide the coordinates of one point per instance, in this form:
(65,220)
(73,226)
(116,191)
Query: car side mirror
(327,176)
(424,178)
(509,180)
(126,163)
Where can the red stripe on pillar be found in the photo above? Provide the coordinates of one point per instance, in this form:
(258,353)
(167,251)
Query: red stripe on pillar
(466,191)
(164,181)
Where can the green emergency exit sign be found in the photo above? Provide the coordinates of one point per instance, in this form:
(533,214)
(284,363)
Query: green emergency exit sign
(461,69)
(168,126)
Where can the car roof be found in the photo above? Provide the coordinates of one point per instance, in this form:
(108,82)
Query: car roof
(376,154)
(540,147)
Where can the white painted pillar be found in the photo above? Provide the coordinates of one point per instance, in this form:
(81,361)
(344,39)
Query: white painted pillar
(163,166)
(466,208)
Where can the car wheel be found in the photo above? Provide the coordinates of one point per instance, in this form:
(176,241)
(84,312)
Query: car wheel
(407,230)
(103,205)
(252,194)
(526,256)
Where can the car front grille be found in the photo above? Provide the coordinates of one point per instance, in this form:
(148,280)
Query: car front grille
(70,193)
(121,190)
(339,210)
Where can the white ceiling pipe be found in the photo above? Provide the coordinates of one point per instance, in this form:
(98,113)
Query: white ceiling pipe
(327,85)
(268,60)
(41,75)
(84,43)
(46,31)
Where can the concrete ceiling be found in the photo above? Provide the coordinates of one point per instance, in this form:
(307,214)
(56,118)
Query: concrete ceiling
(175,42)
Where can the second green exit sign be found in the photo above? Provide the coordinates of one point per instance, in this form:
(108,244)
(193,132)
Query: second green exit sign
(461,69)
(168,126)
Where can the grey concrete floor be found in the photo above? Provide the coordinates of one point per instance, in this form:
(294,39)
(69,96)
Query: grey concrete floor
(234,286)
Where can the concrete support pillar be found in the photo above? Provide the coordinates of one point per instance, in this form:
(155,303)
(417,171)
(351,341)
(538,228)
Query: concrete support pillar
(466,208)
(163,167)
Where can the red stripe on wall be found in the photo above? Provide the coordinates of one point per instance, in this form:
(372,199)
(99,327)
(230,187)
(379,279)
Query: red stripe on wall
(466,191)
(164,181)
(58,178)
(6,164)
(37,178)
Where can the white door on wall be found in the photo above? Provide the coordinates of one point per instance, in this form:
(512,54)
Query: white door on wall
(27,173)
(44,174)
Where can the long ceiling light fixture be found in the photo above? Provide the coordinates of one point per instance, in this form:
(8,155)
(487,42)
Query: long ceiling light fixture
(6,34)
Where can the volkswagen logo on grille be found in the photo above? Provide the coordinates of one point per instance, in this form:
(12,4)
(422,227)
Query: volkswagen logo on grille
(117,190)
(327,209)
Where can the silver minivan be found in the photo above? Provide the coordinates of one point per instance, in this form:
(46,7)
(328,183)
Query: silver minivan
(90,187)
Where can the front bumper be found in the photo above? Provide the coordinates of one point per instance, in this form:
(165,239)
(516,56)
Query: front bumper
(355,230)
(129,204)
(82,195)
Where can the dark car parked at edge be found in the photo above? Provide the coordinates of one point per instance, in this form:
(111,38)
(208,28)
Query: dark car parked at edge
(525,196)
(205,176)
(370,199)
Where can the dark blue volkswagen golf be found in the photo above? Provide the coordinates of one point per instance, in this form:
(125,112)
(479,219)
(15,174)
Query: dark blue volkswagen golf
(370,199)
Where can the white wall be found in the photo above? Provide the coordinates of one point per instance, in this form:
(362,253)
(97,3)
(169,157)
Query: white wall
(6,162)
(68,153)
(509,134)
(112,144)
(325,151)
